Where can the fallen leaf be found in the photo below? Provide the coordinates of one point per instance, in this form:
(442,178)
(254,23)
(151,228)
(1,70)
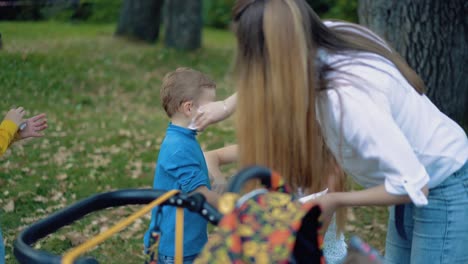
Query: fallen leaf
(9,207)
(40,199)
(62,177)
(75,238)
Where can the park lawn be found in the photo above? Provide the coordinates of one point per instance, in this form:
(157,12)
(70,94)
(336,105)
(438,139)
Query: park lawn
(101,96)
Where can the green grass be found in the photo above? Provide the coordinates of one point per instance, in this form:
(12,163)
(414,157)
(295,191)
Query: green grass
(101,96)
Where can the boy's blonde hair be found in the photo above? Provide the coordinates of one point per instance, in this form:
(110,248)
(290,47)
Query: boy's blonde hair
(182,85)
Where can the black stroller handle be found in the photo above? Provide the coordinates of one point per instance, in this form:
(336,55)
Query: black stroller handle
(25,253)
(237,182)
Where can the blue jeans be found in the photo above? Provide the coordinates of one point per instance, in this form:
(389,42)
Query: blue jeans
(437,232)
(171,260)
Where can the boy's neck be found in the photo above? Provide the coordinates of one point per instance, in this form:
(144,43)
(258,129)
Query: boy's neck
(181,121)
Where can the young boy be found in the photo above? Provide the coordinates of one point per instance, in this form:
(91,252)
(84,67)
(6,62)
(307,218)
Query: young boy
(181,165)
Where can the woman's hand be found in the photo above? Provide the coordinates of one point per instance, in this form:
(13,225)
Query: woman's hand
(34,126)
(16,115)
(210,113)
(214,112)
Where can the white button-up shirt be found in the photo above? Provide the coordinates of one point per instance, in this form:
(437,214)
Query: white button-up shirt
(382,131)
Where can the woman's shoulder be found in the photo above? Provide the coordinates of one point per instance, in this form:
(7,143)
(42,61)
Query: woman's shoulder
(343,26)
(364,70)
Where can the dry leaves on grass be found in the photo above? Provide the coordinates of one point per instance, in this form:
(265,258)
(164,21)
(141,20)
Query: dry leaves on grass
(97,161)
(40,199)
(62,177)
(9,207)
(76,238)
(125,133)
(106,220)
(30,220)
(62,155)
(135,168)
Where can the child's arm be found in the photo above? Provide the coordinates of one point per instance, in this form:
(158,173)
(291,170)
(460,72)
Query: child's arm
(9,127)
(185,167)
(218,157)
(7,133)
(210,196)
(215,159)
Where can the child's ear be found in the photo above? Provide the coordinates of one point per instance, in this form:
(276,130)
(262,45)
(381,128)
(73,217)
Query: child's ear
(187,108)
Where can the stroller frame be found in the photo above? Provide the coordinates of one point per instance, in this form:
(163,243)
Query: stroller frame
(23,246)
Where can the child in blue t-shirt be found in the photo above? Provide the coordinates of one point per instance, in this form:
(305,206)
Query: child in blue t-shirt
(181,164)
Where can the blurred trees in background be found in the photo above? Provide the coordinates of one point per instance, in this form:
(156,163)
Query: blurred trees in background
(183,23)
(216,13)
(140,19)
(21,10)
(420,30)
(94,11)
(337,9)
(431,35)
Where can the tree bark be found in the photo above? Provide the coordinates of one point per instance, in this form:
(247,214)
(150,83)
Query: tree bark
(140,19)
(184,24)
(431,36)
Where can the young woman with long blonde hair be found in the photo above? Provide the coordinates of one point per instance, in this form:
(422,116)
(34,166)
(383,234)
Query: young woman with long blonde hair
(310,94)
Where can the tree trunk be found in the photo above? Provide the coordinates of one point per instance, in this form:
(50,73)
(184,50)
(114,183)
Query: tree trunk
(140,19)
(184,24)
(431,36)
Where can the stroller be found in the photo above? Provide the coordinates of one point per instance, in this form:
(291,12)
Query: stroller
(263,226)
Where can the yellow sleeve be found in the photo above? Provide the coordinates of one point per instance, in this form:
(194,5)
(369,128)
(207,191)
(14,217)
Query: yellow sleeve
(8,130)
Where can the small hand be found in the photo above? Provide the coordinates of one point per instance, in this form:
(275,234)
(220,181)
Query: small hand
(34,126)
(210,113)
(16,115)
(328,203)
(219,185)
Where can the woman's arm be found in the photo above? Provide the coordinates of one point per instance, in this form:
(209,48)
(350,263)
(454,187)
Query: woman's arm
(374,196)
(214,112)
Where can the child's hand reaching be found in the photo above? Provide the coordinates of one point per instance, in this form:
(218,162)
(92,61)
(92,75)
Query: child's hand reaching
(16,115)
(34,126)
(219,185)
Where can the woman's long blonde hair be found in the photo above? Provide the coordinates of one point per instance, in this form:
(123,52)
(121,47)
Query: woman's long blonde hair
(278,81)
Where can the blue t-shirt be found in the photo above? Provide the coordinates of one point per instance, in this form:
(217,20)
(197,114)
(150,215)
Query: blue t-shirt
(181,165)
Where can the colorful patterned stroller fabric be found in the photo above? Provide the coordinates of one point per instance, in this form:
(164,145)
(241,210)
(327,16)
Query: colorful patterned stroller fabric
(265,227)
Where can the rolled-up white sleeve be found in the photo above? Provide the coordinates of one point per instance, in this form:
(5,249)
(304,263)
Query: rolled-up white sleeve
(360,131)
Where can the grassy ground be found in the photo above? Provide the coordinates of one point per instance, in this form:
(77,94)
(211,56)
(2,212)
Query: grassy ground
(101,95)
